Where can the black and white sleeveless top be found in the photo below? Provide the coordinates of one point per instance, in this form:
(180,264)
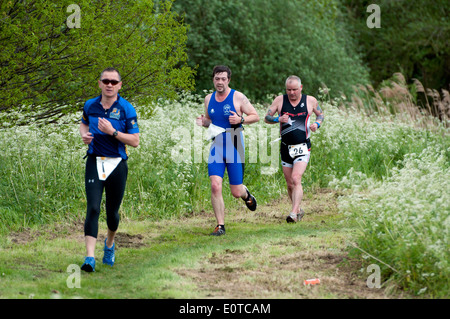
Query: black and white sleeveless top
(296,131)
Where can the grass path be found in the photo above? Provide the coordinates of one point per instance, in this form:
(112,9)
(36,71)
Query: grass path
(261,256)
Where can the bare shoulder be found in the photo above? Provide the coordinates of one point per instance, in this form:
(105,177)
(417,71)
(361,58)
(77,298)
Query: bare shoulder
(312,100)
(277,103)
(207,98)
(240,100)
(278,100)
(239,96)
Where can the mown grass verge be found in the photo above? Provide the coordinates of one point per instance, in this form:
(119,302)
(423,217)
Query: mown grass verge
(260,257)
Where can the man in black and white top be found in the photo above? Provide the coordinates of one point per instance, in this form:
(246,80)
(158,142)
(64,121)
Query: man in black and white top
(294,110)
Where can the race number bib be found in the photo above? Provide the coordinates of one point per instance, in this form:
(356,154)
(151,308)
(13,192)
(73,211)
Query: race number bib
(106,165)
(298,150)
(213,131)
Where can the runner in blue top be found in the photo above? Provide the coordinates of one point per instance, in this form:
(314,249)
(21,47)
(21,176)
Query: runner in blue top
(227,150)
(108,125)
(122,117)
(224,110)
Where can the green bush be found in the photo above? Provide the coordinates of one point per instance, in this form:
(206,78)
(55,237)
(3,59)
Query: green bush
(265,41)
(412,39)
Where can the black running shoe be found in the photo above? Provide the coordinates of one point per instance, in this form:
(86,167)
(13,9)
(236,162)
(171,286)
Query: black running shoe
(250,201)
(292,218)
(218,231)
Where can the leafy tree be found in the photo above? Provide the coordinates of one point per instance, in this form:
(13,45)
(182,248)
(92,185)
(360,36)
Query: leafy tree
(265,41)
(47,62)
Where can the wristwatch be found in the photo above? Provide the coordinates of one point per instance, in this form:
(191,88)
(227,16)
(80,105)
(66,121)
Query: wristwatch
(115,133)
(242,120)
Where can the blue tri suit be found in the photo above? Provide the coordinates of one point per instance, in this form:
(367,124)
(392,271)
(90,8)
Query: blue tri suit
(227,150)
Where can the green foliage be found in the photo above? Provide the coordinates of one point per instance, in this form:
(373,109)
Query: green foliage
(165,176)
(393,173)
(413,39)
(394,178)
(263,42)
(49,64)
(404,221)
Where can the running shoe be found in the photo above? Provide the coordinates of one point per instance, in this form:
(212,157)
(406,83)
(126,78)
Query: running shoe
(89,264)
(218,231)
(300,215)
(250,201)
(293,218)
(109,255)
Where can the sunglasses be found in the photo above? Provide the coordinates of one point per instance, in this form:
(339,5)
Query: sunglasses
(106,82)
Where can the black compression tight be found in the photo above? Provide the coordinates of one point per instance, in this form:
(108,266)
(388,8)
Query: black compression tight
(114,187)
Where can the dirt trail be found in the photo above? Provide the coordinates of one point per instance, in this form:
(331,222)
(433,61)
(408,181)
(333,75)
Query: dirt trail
(272,269)
(278,269)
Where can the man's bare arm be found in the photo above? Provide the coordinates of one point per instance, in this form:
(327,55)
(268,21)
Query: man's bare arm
(248,109)
(319,117)
(204,119)
(270,118)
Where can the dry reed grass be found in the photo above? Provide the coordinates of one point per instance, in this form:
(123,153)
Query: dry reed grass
(425,108)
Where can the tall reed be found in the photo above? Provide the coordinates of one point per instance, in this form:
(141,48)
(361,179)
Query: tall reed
(408,103)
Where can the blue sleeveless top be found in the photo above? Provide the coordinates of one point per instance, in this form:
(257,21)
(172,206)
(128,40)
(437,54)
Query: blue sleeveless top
(220,111)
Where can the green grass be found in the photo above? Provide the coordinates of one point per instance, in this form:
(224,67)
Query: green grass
(373,162)
(171,251)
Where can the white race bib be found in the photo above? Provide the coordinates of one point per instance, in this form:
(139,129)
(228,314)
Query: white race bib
(297,150)
(106,165)
(213,131)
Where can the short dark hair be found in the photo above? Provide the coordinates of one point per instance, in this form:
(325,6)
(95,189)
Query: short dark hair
(220,69)
(111,69)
